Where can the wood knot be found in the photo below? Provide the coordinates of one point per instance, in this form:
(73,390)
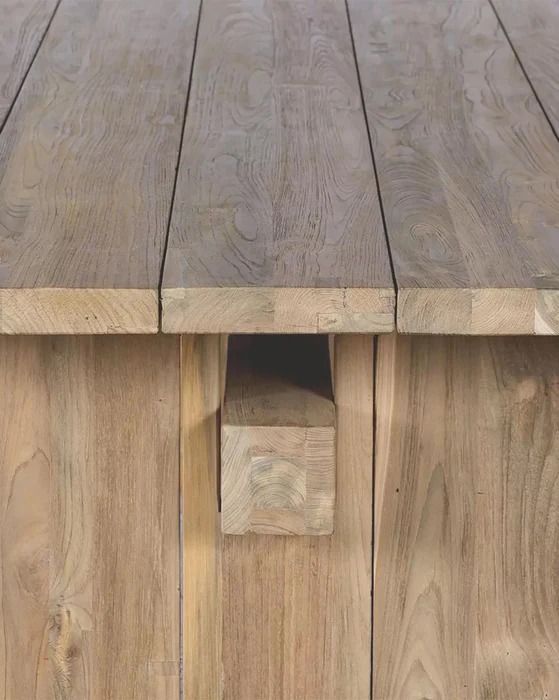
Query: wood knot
(64,645)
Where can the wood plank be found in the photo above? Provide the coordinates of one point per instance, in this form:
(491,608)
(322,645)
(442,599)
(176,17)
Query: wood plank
(24,23)
(467,519)
(276,190)
(297,610)
(468,168)
(87,166)
(202,358)
(533,28)
(278,437)
(89,603)
(278,310)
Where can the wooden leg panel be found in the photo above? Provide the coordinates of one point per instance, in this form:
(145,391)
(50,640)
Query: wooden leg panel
(294,618)
(202,379)
(467,519)
(89,511)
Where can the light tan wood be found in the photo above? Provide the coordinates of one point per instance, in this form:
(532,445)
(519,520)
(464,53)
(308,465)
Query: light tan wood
(297,610)
(276,190)
(468,168)
(467,518)
(78,311)
(89,601)
(533,28)
(278,310)
(87,167)
(202,358)
(278,437)
(478,311)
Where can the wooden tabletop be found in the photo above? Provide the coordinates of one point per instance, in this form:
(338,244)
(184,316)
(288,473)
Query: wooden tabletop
(277,223)
(286,166)
(468,167)
(87,162)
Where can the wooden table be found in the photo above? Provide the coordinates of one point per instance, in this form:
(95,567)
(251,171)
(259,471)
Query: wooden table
(378,184)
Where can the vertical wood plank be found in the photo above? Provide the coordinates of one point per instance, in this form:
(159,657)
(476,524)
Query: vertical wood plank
(467,523)
(25,478)
(202,378)
(89,507)
(297,611)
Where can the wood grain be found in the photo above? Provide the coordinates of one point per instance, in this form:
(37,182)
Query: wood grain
(276,188)
(468,168)
(467,519)
(278,437)
(87,165)
(78,311)
(202,378)
(89,600)
(533,28)
(278,310)
(23,26)
(297,610)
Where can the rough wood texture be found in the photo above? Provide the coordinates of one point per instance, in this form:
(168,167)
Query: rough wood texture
(297,610)
(78,311)
(89,578)
(22,28)
(202,360)
(275,310)
(276,189)
(533,28)
(468,168)
(467,519)
(278,437)
(87,164)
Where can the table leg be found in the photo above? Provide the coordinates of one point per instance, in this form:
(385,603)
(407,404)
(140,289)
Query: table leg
(467,519)
(269,616)
(202,358)
(89,603)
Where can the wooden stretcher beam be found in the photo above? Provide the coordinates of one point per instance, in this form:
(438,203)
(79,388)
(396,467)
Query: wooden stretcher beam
(278,446)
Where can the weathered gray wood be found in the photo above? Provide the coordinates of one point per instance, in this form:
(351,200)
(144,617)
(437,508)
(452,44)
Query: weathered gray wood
(533,28)
(87,165)
(22,26)
(276,189)
(468,168)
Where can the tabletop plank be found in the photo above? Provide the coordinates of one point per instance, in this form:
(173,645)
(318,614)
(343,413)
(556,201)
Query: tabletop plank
(533,28)
(468,168)
(87,167)
(276,223)
(23,26)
